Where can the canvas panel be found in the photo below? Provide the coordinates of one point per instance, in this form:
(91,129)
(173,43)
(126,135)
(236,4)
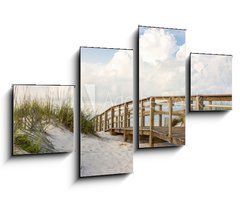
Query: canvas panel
(43,119)
(211,82)
(106,115)
(161,87)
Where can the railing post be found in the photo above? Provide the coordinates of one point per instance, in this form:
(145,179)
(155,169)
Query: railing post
(142,118)
(125,122)
(170,119)
(128,117)
(152,110)
(112,119)
(199,103)
(119,116)
(105,121)
(210,103)
(98,127)
(100,123)
(160,116)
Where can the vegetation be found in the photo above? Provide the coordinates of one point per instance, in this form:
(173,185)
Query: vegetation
(86,122)
(24,143)
(32,119)
(178,120)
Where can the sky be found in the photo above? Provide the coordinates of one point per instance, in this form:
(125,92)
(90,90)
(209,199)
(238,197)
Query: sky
(106,78)
(211,74)
(58,94)
(161,62)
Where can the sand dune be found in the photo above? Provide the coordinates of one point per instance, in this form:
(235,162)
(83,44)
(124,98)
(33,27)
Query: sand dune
(61,138)
(105,155)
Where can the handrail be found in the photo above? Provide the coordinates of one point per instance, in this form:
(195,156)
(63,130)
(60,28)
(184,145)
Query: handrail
(118,116)
(200,105)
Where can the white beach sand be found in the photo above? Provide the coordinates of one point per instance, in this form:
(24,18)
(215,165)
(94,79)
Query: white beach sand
(61,138)
(105,155)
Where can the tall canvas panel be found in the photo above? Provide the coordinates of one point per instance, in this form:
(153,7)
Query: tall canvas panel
(211,82)
(43,119)
(161,87)
(106,111)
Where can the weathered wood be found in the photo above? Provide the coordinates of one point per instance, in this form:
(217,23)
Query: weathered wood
(217,106)
(210,105)
(105,121)
(125,122)
(152,109)
(142,118)
(170,119)
(200,99)
(100,123)
(119,116)
(160,116)
(199,103)
(112,119)
(117,119)
(128,117)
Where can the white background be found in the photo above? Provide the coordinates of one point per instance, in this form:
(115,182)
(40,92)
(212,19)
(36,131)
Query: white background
(39,43)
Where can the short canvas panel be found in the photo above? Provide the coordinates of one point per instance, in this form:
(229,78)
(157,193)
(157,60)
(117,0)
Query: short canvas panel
(43,119)
(161,87)
(211,82)
(106,115)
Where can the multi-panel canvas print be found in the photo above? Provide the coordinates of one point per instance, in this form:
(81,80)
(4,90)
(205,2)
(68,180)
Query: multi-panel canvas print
(211,82)
(42,119)
(161,87)
(106,111)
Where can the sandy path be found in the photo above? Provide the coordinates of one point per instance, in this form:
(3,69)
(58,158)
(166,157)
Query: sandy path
(105,155)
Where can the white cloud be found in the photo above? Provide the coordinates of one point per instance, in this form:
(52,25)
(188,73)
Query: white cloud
(113,81)
(157,45)
(162,64)
(211,74)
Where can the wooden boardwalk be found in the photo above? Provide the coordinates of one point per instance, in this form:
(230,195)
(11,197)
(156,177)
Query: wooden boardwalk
(117,120)
(209,102)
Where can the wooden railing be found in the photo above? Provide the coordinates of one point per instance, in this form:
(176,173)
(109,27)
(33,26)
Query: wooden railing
(116,119)
(153,106)
(200,102)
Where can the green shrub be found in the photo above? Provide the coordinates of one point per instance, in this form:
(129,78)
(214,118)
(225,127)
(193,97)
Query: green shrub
(24,143)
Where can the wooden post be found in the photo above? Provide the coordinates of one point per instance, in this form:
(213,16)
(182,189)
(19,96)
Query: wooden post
(170,119)
(119,117)
(105,121)
(152,110)
(160,116)
(142,118)
(128,118)
(100,123)
(125,122)
(199,103)
(112,119)
(210,103)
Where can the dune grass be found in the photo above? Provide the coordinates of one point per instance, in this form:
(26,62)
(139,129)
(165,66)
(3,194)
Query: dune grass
(33,117)
(86,123)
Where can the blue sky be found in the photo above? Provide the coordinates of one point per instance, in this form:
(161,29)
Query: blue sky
(97,55)
(179,35)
